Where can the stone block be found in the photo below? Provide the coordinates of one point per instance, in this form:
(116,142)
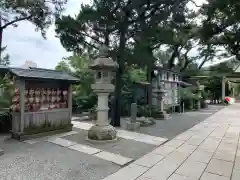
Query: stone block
(132,125)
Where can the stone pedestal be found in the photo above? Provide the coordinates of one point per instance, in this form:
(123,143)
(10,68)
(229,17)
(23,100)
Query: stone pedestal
(198,105)
(102,130)
(1,152)
(102,133)
(161,115)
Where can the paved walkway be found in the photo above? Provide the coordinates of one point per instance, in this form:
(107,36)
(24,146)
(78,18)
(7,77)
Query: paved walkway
(208,151)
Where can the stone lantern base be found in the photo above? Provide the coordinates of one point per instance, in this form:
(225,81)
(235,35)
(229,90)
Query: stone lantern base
(161,115)
(102,133)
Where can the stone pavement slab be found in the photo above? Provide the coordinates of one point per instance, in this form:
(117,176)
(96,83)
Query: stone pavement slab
(108,156)
(115,158)
(163,150)
(236,174)
(209,176)
(84,149)
(208,151)
(191,169)
(149,160)
(201,156)
(61,142)
(179,177)
(130,172)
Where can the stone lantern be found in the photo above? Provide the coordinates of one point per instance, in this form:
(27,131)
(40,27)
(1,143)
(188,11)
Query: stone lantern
(161,114)
(104,68)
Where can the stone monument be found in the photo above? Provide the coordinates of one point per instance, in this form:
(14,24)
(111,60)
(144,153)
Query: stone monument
(133,124)
(104,68)
(160,113)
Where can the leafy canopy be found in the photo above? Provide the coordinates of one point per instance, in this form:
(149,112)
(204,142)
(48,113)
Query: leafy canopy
(40,12)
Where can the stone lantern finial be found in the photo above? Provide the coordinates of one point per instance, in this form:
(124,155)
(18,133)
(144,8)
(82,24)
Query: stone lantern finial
(103,51)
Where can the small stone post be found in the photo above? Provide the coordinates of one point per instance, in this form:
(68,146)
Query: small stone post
(133,124)
(104,67)
(198,105)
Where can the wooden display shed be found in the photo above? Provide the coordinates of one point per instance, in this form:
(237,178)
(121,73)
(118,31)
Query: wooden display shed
(42,104)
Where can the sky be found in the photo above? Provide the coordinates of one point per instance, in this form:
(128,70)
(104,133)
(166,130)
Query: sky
(25,44)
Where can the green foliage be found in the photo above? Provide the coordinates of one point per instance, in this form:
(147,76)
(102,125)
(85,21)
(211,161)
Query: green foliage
(187,93)
(4,60)
(83,96)
(40,12)
(63,66)
(221,25)
(7,91)
(6,95)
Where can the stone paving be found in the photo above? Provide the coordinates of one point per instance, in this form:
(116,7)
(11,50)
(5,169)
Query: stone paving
(208,151)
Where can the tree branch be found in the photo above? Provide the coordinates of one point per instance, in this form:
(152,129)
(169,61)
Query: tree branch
(14,21)
(192,1)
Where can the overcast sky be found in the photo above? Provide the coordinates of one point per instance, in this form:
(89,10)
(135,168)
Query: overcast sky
(23,43)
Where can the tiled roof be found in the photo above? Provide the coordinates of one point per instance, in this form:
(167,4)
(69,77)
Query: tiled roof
(42,73)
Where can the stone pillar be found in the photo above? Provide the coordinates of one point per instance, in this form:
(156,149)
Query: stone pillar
(223,88)
(133,124)
(102,109)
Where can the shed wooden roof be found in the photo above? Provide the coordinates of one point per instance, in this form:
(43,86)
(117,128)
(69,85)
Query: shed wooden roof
(40,73)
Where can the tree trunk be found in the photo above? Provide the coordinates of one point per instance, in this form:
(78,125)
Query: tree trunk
(116,115)
(149,78)
(1,33)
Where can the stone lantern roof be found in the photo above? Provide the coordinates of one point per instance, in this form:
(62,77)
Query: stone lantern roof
(104,61)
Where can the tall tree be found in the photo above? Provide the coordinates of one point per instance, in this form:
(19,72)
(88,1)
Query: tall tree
(220,26)
(5,60)
(115,23)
